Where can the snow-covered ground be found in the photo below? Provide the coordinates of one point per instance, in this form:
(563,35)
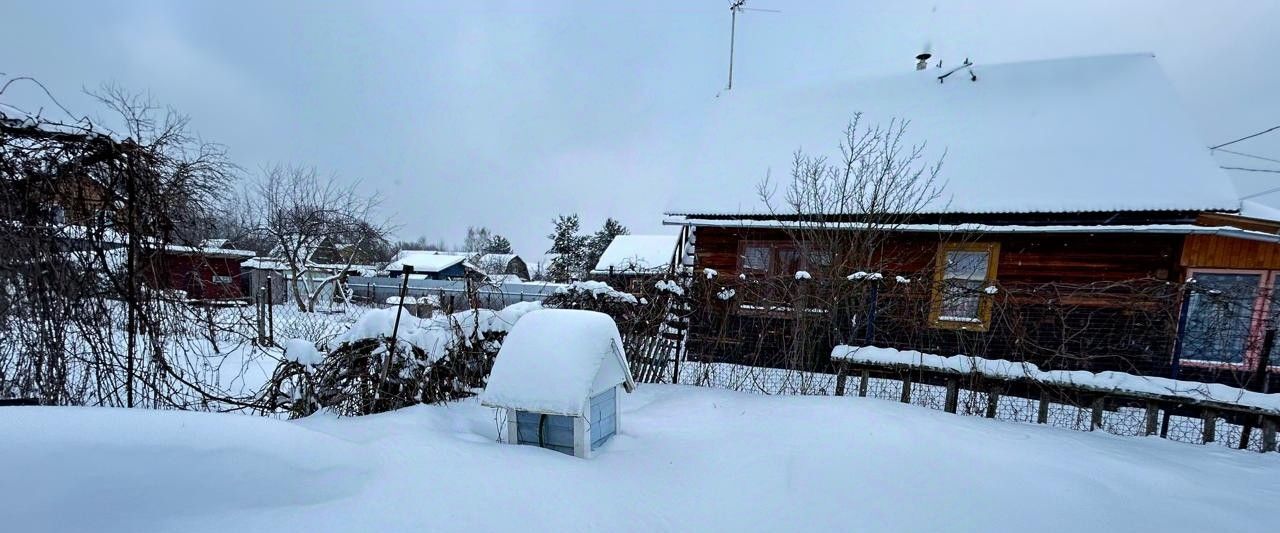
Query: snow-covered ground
(688,458)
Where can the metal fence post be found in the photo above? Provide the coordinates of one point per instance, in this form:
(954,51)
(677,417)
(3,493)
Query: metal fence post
(271,313)
(395,328)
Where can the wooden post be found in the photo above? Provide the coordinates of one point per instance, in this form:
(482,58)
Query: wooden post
(863,382)
(1042,412)
(1153,416)
(1269,434)
(993,401)
(841,375)
(1210,425)
(1095,421)
(1164,425)
(1246,433)
(953,395)
(906,388)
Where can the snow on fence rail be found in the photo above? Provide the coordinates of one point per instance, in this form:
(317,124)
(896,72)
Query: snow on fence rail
(1008,385)
(1105,382)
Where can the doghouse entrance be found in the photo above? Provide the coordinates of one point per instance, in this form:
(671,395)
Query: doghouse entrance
(554,432)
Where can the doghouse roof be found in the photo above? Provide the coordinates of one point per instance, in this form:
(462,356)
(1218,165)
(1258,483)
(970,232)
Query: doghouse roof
(554,360)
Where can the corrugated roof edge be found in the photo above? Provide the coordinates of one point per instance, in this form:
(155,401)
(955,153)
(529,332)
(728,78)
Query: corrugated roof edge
(1177,229)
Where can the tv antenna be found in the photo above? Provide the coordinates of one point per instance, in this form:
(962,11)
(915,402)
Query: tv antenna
(735,7)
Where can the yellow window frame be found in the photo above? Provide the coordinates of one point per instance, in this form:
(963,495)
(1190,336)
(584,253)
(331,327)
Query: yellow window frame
(939,280)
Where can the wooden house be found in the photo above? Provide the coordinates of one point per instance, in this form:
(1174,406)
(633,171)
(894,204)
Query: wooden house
(1078,215)
(633,258)
(203,273)
(559,379)
(434,265)
(497,265)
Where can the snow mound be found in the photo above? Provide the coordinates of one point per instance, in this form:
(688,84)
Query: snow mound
(774,463)
(433,335)
(596,289)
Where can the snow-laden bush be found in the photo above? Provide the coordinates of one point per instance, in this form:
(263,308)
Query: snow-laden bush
(432,360)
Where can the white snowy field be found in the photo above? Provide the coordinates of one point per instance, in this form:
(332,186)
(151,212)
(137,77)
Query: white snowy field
(688,459)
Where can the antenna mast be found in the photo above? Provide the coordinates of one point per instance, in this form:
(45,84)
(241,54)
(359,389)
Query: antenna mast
(735,7)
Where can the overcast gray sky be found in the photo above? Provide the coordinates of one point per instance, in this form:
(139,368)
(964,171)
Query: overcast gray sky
(505,114)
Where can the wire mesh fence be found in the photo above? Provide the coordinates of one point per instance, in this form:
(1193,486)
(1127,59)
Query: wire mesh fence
(1118,415)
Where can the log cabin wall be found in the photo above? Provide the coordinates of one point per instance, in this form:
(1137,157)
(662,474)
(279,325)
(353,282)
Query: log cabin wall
(1117,321)
(1024,258)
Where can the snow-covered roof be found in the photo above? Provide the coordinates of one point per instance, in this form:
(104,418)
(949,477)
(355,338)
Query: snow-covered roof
(1149,229)
(497,258)
(179,249)
(637,253)
(1103,133)
(426,261)
(554,360)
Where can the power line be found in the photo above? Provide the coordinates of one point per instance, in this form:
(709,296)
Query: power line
(1261,193)
(1252,169)
(1246,137)
(1249,155)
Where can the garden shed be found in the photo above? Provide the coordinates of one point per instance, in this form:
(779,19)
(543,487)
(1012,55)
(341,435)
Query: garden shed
(557,379)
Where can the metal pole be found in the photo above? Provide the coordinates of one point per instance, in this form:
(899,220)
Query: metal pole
(1175,366)
(395,328)
(271,313)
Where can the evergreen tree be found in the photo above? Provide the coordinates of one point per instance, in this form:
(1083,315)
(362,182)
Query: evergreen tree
(601,240)
(497,245)
(569,249)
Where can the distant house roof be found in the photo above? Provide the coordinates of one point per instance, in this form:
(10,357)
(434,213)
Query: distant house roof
(204,251)
(426,261)
(1090,134)
(637,254)
(496,258)
(554,360)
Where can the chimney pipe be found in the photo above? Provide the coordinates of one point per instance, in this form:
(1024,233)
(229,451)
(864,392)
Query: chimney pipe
(922,60)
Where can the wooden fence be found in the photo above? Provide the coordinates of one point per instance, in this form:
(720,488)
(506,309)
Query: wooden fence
(1107,409)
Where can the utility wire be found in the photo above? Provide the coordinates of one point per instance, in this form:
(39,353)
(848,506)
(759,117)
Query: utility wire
(1246,137)
(1252,169)
(1260,193)
(1249,155)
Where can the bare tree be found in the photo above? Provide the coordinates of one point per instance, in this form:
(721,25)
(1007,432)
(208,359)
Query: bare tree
(89,213)
(317,225)
(810,289)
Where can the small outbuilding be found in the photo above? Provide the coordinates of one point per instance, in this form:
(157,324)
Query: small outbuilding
(557,378)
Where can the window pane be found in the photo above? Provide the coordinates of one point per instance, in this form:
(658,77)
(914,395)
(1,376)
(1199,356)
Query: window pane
(788,261)
(1273,321)
(960,301)
(967,265)
(1219,317)
(818,259)
(756,258)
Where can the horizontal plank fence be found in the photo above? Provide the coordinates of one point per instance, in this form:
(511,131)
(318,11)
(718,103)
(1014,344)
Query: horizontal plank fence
(1072,406)
(1076,408)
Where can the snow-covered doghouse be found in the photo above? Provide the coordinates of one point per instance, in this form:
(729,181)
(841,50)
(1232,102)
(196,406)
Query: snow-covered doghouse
(557,377)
